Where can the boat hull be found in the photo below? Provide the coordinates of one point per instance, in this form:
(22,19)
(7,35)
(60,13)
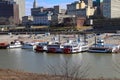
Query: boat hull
(27,47)
(41,48)
(3,47)
(14,46)
(55,50)
(99,51)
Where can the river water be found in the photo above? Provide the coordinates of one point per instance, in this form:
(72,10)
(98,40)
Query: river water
(96,64)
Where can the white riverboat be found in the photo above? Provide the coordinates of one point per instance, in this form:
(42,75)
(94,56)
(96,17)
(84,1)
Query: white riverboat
(101,47)
(15,44)
(75,47)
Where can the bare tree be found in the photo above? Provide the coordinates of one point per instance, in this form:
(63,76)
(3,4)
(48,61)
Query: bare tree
(70,22)
(11,20)
(3,20)
(66,71)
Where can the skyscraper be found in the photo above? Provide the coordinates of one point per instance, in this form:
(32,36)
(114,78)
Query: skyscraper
(10,12)
(98,5)
(21,4)
(34,4)
(98,2)
(111,8)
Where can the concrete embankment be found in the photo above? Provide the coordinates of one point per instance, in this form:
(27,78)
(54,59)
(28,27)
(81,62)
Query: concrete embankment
(25,38)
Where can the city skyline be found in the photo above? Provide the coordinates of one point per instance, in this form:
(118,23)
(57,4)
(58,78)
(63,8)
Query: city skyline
(47,3)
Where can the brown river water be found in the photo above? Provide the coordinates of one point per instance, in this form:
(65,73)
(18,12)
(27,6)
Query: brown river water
(98,64)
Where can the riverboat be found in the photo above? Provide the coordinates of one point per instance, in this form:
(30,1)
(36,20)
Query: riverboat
(100,47)
(55,48)
(75,47)
(15,44)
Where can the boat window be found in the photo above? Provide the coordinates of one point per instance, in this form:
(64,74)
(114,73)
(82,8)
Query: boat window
(98,49)
(75,45)
(68,46)
(54,46)
(43,43)
(30,45)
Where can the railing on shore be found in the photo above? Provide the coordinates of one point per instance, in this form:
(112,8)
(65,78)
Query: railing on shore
(42,31)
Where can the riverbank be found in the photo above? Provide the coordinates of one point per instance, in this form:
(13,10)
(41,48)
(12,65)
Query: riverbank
(62,38)
(7,74)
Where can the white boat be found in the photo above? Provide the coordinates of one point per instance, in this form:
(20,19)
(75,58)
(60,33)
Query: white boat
(15,44)
(28,45)
(75,47)
(100,47)
(107,48)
